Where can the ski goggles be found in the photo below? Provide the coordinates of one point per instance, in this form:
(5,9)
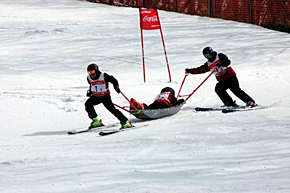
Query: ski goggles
(208,55)
(92,72)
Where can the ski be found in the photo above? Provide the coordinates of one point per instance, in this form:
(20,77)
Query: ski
(80,131)
(228,109)
(91,129)
(105,133)
(241,109)
(207,109)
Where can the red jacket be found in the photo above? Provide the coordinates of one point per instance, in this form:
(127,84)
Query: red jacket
(167,98)
(219,64)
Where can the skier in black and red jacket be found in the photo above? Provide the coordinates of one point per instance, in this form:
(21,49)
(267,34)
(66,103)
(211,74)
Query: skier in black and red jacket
(219,64)
(99,93)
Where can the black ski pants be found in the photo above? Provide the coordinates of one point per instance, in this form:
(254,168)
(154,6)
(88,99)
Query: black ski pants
(232,84)
(107,102)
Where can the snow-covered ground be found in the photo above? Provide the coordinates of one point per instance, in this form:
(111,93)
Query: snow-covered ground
(46,46)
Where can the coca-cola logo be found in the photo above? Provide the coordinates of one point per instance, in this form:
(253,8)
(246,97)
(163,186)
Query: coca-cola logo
(150,19)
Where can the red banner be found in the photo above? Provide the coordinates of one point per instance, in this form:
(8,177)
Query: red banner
(149,19)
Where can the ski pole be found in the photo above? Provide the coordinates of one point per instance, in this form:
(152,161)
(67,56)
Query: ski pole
(199,85)
(129,101)
(186,74)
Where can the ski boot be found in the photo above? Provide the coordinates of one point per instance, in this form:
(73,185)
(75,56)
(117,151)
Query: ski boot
(96,123)
(251,103)
(232,104)
(136,104)
(126,125)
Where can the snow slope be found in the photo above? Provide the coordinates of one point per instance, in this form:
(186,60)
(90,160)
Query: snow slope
(45,48)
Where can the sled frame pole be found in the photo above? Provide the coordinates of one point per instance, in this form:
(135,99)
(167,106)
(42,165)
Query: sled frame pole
(186,74)
(129,101)
(121,107)
(199,85)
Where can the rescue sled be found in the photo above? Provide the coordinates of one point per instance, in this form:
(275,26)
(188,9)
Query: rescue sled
(156,113)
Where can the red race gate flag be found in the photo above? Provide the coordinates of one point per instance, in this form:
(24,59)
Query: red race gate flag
(149,19)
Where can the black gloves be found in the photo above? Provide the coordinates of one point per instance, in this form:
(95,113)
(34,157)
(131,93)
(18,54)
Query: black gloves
(117,89)
(89,93)
(187,70)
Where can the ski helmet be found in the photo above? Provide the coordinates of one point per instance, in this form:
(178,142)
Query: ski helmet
(207,51)
(168,89)
(94,67)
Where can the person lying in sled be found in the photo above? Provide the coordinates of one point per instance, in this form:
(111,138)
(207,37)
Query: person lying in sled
(165,99)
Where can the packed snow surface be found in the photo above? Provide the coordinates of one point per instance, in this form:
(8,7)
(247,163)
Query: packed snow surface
(46,46)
